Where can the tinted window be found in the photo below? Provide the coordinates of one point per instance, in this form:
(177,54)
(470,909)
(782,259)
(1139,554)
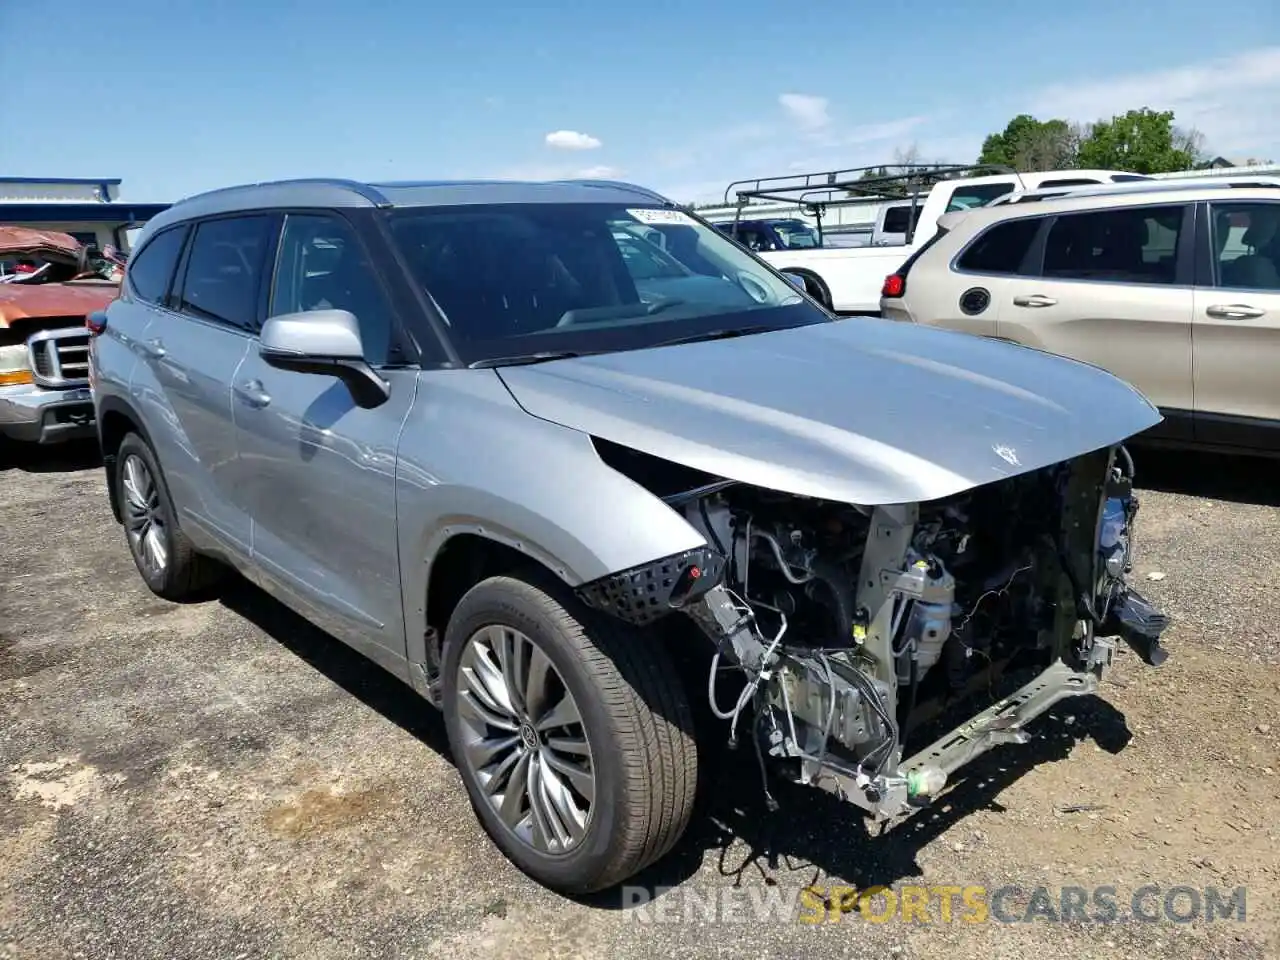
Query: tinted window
(224,269)
(899,219)
(1129,177)
(151,268)
(1001,249)
(322,266)
(976,195)
(1068,182)
(1128,245)
(1246,245)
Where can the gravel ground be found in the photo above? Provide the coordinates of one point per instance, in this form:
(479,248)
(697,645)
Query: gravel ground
(222,780)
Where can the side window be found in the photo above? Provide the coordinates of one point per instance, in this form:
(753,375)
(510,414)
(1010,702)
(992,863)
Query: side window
(1125,245)
(1002,248)
(1067,182)
(898,219)
(150,270)
(224,269)
(322,266)
(1246,245)
(977,195)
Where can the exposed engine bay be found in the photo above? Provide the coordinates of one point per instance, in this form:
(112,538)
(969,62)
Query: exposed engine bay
(851,627)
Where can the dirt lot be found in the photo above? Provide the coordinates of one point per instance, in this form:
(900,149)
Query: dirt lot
(221,780)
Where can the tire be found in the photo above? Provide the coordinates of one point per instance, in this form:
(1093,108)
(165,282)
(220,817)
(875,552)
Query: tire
(634,717)
(146,508)
(814,286)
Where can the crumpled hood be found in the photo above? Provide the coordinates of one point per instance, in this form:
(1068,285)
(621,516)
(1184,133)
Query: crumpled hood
(860,411)
(39,300)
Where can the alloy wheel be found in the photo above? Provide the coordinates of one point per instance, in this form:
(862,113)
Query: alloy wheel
(524,740)
(144,519)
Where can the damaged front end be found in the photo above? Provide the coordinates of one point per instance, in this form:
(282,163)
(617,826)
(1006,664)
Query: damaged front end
(851,629)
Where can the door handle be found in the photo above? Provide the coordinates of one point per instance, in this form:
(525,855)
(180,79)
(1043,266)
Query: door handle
(252,393)
(153,348)
(1233,311)
(1034,300)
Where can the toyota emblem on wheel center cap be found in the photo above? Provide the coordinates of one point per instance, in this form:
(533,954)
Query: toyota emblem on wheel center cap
(529,737)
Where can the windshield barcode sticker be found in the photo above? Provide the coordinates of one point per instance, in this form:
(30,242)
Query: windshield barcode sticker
(659,218)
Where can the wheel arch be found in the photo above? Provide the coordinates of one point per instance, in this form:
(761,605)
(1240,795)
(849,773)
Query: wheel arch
(116,420)
(815,286)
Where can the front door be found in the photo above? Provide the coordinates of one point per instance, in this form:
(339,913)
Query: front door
(1237,328)
(319,471)
(1115,290)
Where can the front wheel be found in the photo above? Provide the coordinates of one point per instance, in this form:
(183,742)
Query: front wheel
(572,734)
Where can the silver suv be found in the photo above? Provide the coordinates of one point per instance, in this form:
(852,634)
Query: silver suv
(580,469)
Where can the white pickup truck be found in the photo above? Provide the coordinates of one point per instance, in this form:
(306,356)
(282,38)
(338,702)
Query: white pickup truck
(849,279)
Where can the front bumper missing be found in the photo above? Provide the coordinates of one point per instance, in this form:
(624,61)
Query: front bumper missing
(1003,722)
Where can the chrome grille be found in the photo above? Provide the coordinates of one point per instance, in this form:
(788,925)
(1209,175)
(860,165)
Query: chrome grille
(60,358)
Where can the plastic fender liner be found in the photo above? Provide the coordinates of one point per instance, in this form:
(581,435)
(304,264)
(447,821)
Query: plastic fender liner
(643,594)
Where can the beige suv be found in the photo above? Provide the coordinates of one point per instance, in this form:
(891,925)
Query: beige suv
(1173,286)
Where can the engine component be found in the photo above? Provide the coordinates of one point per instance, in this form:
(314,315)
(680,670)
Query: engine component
(928,591)
(837,615)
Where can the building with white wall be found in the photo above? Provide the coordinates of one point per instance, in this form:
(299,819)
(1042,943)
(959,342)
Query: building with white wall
(88,208)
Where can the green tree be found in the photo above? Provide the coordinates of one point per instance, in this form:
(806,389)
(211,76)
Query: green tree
(1143,141)
(1030,144)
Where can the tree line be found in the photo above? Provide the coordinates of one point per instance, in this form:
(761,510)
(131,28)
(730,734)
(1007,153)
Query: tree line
(1139,141)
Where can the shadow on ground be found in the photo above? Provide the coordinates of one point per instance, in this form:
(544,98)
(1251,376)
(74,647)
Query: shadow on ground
(812,838)
(1216,476)
(54,458)
(352,671)
(816,838)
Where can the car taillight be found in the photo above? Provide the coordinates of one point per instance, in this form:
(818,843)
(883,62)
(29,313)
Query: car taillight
(895,285)
(96,322)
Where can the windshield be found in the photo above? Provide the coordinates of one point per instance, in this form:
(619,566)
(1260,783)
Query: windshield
(517,280)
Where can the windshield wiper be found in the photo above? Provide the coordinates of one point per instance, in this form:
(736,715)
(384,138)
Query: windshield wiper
(724,334)
(523,359)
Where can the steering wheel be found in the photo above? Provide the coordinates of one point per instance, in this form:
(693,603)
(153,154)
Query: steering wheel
(755,288)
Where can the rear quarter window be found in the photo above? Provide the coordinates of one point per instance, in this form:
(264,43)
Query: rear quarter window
(1000,249)
(150,270)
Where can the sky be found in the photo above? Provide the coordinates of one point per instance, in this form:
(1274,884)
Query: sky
(176,96)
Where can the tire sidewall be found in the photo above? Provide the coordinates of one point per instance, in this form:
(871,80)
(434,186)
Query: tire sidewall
(134,445)
(495,602)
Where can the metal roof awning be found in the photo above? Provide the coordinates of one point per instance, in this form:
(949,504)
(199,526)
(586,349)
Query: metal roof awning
(129,214)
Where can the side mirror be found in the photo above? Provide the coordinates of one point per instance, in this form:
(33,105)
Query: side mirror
(325,342)
(796,280)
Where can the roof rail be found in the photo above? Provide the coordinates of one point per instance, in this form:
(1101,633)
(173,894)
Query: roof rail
(621,185)
(1141,186)
(364,190)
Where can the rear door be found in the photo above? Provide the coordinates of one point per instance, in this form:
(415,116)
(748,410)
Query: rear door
(1115,289)
(193,348)
(967,294)
(1237,326)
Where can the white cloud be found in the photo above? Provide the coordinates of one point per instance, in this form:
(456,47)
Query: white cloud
(599,172)
(1231,101)
(888,130)
(571,140)
(808,111)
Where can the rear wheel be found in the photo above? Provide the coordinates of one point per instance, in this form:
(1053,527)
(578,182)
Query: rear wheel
(573,736)
(165,558)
